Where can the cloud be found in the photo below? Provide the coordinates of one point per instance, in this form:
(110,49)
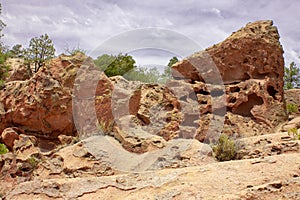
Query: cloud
(89,23)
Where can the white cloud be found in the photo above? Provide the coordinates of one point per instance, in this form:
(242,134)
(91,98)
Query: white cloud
(91,22)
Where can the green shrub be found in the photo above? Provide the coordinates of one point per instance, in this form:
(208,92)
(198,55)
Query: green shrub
(3,149)
(291,108)
(293,132)
(225,149)
(4,69)
(105,127)
(33,161)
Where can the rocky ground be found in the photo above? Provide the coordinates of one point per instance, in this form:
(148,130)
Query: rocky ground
(73,133)
(269,169)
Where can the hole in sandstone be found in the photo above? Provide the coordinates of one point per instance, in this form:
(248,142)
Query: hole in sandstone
(232,100)
(244,108)
(234,89)
(272,92)
(168,119)
(169,107)
(138,145)
(245,60)
(201,91)
(203,101)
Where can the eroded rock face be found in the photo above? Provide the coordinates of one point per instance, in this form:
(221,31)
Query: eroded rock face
(19,71)
(43,103)
(251,66)
(146,115)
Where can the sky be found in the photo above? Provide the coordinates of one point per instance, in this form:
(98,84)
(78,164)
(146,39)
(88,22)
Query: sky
(89,24)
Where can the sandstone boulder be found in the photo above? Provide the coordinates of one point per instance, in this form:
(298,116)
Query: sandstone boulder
(294,123)
(250,63)
(19,71)
(92,108)
(42,105)
(146,115)
(9,135)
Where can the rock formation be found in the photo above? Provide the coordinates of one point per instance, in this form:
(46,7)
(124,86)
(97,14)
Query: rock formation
(74,133)
(19,71)
(42,104)
(251,65)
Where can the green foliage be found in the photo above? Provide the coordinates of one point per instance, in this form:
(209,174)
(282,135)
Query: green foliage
(167,72)
(74,50)
(124,65)
(4,69)
(225,149)
(40,50)
(172,61)
(115,65)
(3,54)
(105,127)
(2,25)
(144,75)
(293,132)
(291,76)
(291,108)
(3,149)
(16,51)
(33,161)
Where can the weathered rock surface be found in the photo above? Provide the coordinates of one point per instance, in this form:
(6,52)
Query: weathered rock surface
(42,104)
(92,109)
(292,96)
(9,135)
(117,139)
(294,123)
(267,145)
(19,71)
(227,180)
(251,65)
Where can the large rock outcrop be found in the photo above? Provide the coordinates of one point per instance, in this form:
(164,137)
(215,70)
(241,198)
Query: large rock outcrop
(251,65)
(42,104)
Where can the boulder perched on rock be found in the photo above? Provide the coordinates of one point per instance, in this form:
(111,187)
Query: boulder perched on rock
(251,65)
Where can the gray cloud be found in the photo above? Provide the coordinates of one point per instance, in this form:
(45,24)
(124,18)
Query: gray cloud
(89,23)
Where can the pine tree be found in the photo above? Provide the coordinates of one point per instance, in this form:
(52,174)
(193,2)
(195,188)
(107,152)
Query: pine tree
(291,76)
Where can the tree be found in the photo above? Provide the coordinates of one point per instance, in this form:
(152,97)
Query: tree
(4,69)
(115,65)
(2,25)
(17,51)
(3,54)
(167,71)
(74,50)
(144,75)
(291,76)
(172,61)
(40,50)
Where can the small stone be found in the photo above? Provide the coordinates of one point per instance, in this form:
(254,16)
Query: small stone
(9,135)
